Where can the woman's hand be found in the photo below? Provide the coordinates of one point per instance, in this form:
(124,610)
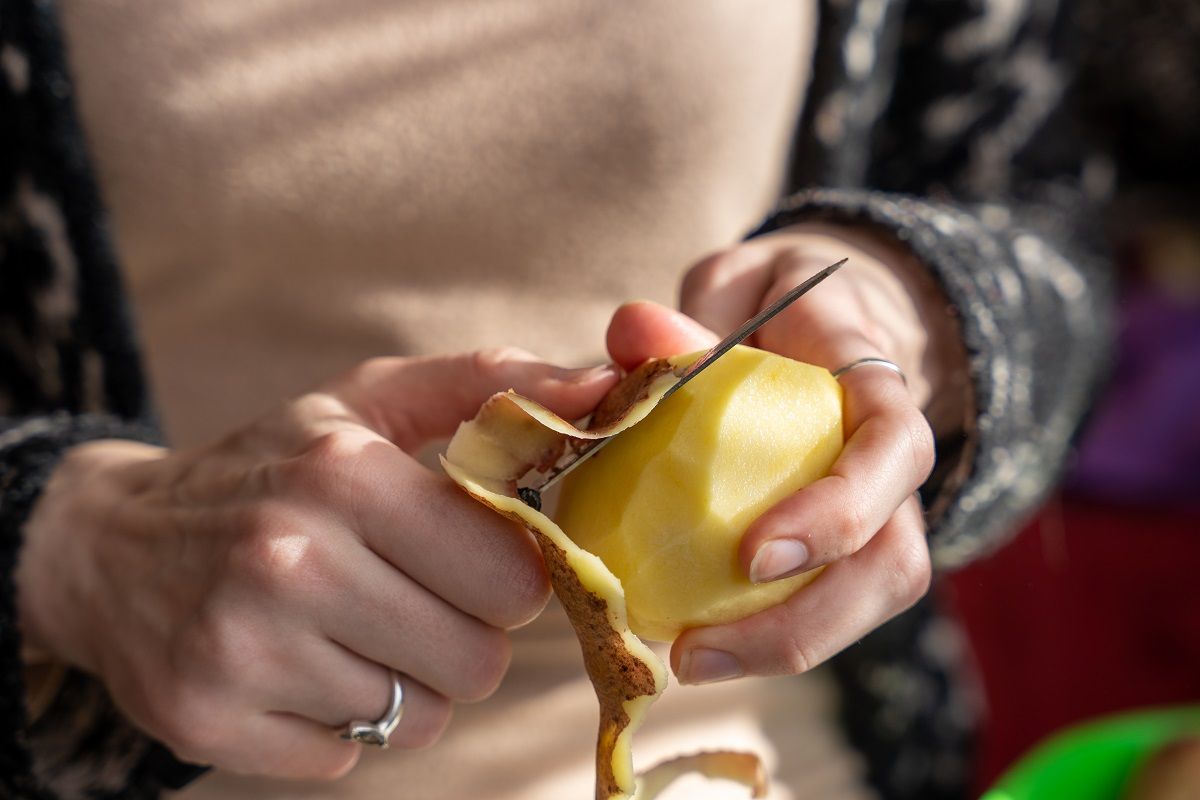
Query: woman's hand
(863,520)
(244,600)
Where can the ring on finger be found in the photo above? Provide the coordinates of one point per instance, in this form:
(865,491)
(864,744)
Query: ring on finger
(377,733)
(869,362)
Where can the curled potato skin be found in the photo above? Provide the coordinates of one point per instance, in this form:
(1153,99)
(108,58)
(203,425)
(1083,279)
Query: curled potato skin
(486,457)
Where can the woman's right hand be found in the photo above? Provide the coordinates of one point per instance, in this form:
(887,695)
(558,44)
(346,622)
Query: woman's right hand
(245,600)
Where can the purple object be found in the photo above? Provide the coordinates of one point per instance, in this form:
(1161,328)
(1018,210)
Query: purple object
(1143,442)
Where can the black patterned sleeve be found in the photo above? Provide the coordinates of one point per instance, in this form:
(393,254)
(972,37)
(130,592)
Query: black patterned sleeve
(1034,322)
(69,373)
(953,127)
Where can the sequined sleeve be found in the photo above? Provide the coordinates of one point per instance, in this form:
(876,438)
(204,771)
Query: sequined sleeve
(69,373)
(1035,325)
(956,127)
(953,126)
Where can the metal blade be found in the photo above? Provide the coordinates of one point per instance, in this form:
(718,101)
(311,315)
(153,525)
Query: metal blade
(531,495)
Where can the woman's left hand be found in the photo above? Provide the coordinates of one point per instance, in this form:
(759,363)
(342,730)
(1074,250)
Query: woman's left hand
(863,520)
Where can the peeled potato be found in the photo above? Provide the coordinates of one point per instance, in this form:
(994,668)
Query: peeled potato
(665,504)
(738,455)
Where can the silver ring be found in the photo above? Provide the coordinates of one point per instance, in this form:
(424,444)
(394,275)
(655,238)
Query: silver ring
(863,362)
(377,733)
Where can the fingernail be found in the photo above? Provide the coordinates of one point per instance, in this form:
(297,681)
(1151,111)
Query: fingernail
(703,665)
(778,558)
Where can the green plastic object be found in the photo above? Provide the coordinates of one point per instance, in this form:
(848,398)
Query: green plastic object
(1095,760)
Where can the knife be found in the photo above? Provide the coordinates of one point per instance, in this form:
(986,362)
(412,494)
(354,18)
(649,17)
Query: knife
(532,496)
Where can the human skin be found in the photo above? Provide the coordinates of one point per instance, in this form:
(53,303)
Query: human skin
(240,600)
(864,519)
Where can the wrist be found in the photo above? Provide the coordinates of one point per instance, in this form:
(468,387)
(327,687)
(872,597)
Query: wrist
(58,571)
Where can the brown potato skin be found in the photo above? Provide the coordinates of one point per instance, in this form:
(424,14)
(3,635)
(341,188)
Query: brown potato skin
(1172,773)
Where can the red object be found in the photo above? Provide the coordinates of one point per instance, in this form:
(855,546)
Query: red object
(1092,609)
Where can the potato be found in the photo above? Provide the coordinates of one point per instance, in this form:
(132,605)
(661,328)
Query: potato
(1171,773)
(512,437)
(665,504)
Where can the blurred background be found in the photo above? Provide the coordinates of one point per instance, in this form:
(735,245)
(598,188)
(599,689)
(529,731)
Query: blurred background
(1094,607)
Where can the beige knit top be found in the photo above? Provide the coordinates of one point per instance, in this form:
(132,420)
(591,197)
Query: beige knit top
(296,185)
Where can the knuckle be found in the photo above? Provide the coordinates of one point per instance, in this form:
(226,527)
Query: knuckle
(274,555)
(523,594)
(798,657)
(335,449)
(331,465)
(912,573)
(482,673)
(366,372)
(368,368)
(425,729)
(702,276)
(335,467)
(497,362)
(920,439)
(254,521)
(325,761)
(848,528)
(342,759)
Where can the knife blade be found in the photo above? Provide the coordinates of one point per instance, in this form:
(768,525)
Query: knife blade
(531,495)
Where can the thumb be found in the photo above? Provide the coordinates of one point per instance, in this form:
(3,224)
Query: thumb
(642,330)
(413,401)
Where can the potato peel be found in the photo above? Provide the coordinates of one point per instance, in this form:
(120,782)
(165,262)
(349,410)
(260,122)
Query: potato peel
(512,435)
(625,673)
(744,768)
